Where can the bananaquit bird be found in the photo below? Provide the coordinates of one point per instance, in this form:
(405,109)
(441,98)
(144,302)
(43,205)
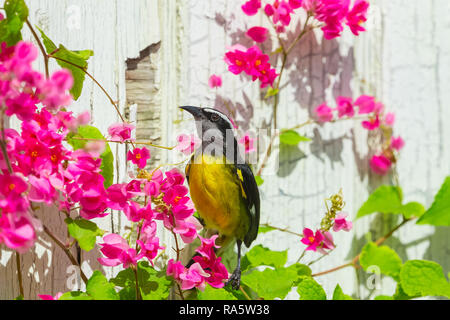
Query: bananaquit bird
(222,185)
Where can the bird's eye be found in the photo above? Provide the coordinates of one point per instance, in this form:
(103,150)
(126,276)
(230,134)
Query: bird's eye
(215,117)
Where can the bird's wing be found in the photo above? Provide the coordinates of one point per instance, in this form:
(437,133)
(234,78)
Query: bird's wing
(188,168)
(251,196)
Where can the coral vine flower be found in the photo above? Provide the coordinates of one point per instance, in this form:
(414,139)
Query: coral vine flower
(48,296)
(345,107)
(117,251)
(372,124)
(357,16)
(312,240)
(214,81)
(327,243)
(389,119)
(380,164)
(397,143)
(340,222)
(248,143)
(187,143)
(120,132)
(251,7)
(366,104)
(258,34)
(139,157)
(253,62)
(324,113)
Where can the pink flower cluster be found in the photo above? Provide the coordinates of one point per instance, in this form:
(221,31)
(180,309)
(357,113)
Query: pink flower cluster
(37,167)
(207,268)
(251,61)
(323,240)
(333,14)
(381,162)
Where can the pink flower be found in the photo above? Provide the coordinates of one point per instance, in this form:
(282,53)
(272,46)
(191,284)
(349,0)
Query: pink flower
(366,104)
(389,119)
(380,164)
(187,143)
(324,113)
(50,297)
(251,7)
(248,143)
(345,107)
(214,81)
(253,62)
(281,12)
(17,232)
(150,248)
(372,124)
(327,243)
(340,223)
(312,240)
(175,269)
(397,143)
(357,16)
(120,132)
(295,4)
(139,157)
(117,251)
(258,34)
(194,277)
(1,16)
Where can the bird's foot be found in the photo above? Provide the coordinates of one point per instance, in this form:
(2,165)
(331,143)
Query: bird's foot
(235,279)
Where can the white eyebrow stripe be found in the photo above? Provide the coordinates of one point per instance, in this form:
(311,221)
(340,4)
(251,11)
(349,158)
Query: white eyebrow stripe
(222,115)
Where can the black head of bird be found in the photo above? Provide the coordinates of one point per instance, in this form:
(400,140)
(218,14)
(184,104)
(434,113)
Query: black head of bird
(224,193)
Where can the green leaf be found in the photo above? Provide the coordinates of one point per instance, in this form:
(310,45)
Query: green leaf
(84,231)
(90,132)
(211,293)
(383,257)
(385,199)
(99,288)
(20,297)
(261,256)
(78,58)
(338,294)
(309,289)
(424,278)
(400,294)
(75,295)
(291,137)
(412,209)
(382,297)
(298,271)
(11,27)
(259,180)
(270,284)
(271,92)
(154,285)
(265,229)
(439,212)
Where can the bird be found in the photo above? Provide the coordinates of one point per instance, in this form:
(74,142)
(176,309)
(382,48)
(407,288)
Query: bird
(222,185)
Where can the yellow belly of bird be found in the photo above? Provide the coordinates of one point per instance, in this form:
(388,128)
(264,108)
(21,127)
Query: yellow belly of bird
(216,193)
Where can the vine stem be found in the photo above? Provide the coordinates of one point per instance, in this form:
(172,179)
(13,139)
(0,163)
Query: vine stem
(66,251)
(41,47)
(135,142)
(19,274)
(138,292)
(355,260)
(282,229)
(93,79)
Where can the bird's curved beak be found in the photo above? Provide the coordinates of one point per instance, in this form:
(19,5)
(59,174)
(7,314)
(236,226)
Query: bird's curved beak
(195,111)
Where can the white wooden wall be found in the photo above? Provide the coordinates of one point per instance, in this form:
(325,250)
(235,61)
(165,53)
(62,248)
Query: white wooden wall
(403,59)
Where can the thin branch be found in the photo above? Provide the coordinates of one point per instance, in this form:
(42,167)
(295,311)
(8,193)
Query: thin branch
(41,47)
(356,259)
(131,142)
(19,274)
(66,251)
(93,79)
(282,229)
